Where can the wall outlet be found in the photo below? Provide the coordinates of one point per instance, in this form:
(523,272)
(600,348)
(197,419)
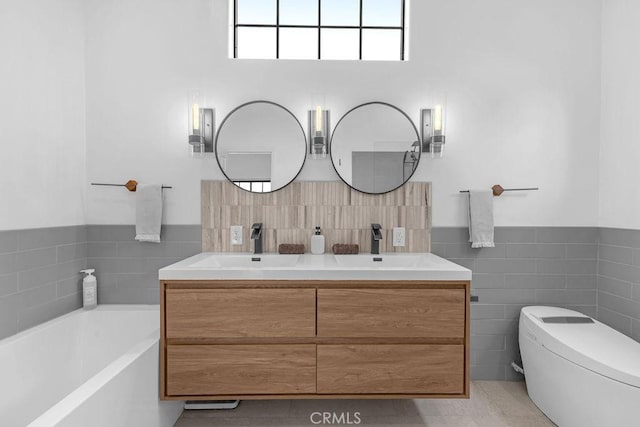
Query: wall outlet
(398,236)
(236,234)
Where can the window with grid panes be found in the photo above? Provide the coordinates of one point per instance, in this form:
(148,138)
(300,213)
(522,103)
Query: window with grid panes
(319,29)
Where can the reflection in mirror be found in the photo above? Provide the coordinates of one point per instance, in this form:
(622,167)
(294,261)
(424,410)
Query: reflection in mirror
(375,148)
(261,147)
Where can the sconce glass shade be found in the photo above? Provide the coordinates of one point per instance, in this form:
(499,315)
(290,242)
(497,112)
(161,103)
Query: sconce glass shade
(200,126)
(438,140)
(433,131)
(196,117)
(318,120)
(437,149)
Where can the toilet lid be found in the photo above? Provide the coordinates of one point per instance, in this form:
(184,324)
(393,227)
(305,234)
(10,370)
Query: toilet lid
(593,346)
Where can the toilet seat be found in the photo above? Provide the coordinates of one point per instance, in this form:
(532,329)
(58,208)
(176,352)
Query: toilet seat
(593,346)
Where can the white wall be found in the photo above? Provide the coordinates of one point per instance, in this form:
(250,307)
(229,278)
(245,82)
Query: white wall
(620,136)
(522,81)
(42,116)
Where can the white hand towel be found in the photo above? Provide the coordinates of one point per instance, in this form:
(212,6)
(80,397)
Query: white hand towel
(148,212)
(481,219)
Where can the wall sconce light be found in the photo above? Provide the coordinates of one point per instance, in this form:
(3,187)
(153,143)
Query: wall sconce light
(432,125)
(201,126)
(318,133)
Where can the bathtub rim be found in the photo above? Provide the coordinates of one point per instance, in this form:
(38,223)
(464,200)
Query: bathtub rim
(101,307)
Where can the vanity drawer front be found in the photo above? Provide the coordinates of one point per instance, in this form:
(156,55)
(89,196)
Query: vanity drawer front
(234,313)
(391,313)
(391,369)
(202,370)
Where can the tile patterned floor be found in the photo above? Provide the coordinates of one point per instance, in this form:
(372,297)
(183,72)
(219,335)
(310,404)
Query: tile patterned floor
(492,404)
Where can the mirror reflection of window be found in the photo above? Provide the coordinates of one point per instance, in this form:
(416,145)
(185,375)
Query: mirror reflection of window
(254,186)
(260,146)
(320,29)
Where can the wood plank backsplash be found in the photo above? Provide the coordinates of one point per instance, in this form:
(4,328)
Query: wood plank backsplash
(291,214)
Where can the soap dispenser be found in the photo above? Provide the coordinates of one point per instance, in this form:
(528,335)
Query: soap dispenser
(317,242)
(89,289)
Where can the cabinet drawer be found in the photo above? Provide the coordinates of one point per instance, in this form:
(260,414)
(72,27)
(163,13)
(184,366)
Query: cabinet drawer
(226,313)
(397,313)
(391,369)
(201,370)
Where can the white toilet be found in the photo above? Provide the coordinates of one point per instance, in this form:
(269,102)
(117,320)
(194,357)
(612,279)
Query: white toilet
(579,372)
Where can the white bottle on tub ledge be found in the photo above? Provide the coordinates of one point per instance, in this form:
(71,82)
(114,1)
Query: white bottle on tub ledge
(89,289)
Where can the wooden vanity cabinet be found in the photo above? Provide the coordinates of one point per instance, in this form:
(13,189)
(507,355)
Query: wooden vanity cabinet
(268,339)
(240,313)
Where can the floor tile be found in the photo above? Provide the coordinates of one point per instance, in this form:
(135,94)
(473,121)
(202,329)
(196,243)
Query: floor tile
(492,404)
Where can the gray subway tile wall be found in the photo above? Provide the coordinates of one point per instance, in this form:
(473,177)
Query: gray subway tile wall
(528,266)
(39,275)
(127,270)
(618,280)
(595,271)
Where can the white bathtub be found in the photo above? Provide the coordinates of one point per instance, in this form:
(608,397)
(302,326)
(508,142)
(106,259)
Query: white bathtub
(87,368)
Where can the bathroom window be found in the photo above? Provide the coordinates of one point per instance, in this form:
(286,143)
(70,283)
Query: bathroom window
(319,29)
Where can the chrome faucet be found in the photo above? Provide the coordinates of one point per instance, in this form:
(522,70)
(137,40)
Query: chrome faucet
(376,236)
(256,234)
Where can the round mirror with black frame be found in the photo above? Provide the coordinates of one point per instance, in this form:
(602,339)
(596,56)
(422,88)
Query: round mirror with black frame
(375,148)
(261,146)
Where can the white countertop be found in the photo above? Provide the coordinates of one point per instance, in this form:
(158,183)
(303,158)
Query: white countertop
(393,266)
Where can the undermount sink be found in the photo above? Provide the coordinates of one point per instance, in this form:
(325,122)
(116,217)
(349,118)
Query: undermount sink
(382,261)
(248,261)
